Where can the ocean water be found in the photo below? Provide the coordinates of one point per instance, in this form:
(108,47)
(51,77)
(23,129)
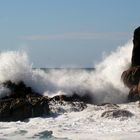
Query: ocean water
(103,84)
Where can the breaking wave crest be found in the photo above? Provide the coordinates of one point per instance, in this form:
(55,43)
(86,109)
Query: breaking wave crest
(104,84)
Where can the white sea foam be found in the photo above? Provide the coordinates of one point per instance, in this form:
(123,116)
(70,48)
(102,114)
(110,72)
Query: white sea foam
(104,83)
(84,125)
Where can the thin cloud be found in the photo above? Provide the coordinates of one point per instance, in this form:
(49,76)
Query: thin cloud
(78,36)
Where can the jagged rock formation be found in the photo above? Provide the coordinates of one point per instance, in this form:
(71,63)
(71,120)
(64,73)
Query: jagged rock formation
(131,77)
(24,103)
(74,98)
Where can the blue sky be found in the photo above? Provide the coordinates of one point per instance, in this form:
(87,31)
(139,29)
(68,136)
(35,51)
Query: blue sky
(66,33)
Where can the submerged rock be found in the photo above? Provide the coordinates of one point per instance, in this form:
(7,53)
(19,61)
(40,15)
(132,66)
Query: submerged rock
(116,113)
(109,105)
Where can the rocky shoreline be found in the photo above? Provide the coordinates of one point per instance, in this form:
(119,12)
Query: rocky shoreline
(24,103)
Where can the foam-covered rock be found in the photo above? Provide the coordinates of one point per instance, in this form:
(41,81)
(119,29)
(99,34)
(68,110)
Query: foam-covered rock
(24,103)
(74,98)
(116,113)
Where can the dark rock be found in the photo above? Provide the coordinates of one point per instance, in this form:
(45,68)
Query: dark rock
(136,48)
(116,113)
(74,98)
(19,89)
(43,135)
(5,108)
(23,103)
(39,106)
(22,108)
(134,94)
(60,107)
(131,77)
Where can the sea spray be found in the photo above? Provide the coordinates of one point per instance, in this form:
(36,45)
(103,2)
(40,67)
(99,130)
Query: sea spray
(108,86)
(103,84)
(14,66)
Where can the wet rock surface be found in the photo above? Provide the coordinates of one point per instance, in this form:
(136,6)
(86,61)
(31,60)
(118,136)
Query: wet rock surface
(131,77)
(116,113)
(109,106)
(60,107)
(24,103)
(22,108)
(73,98)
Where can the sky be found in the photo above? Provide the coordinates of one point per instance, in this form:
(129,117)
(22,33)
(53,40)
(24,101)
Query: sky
(67,33)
